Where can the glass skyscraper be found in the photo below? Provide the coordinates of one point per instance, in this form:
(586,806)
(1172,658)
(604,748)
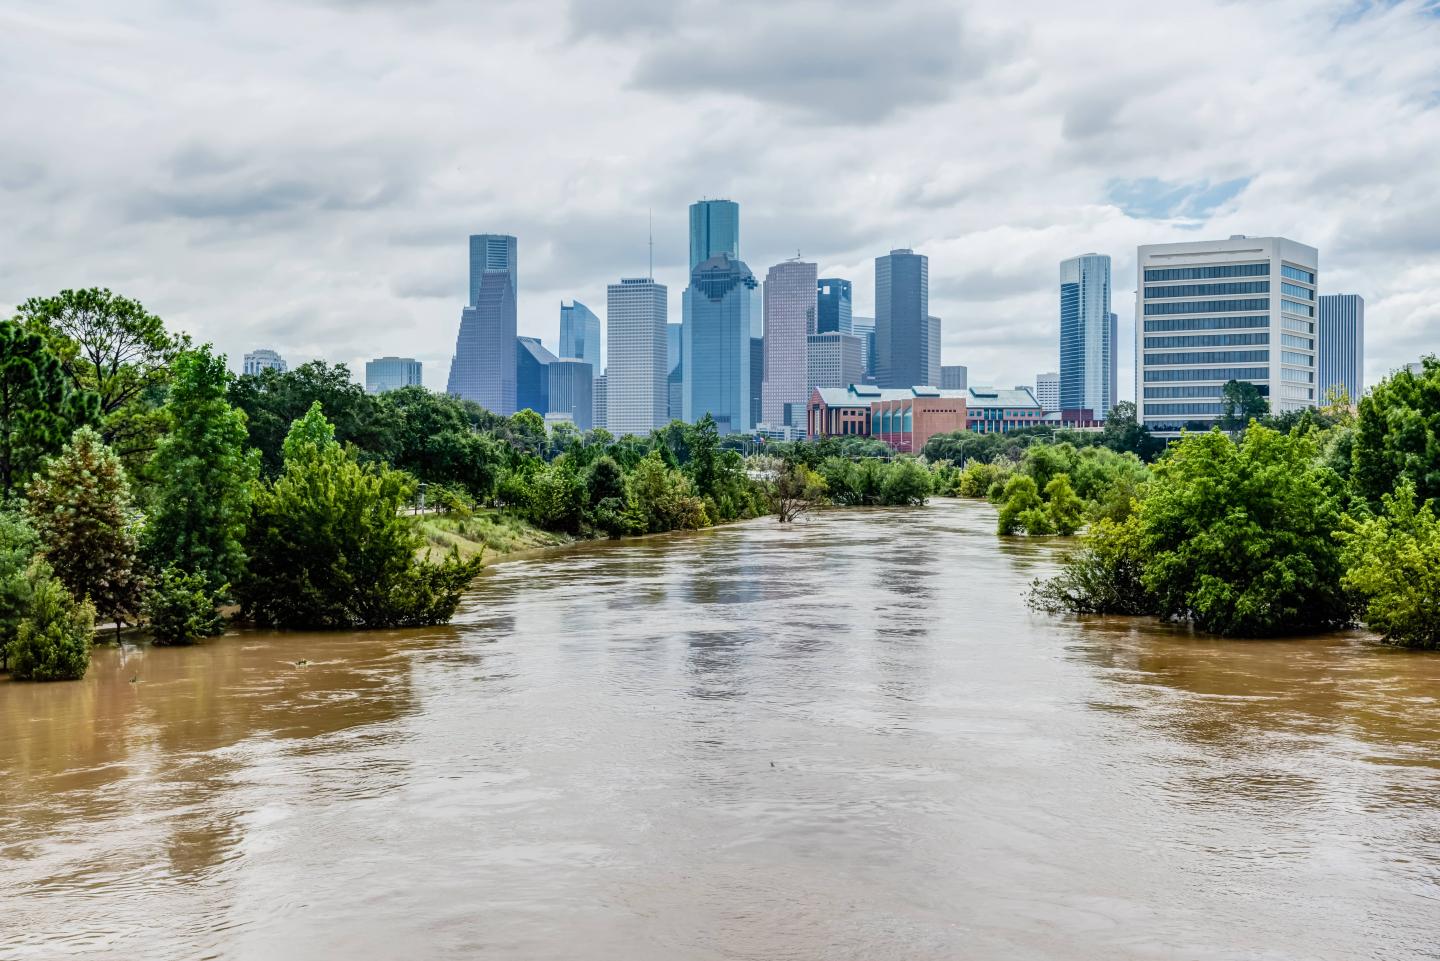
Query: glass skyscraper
(636,396)
(572,390)
(483,366)
(714,229)
(1087,350)
(391,373)
(1341,348)
(790,303)
(903,339)
(833,306)
(580,333)
(532,375)
(717,349)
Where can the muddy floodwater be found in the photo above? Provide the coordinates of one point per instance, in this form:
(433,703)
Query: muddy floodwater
(843,739)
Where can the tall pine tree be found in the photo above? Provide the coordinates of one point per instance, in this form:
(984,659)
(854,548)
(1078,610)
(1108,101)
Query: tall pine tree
(37,405)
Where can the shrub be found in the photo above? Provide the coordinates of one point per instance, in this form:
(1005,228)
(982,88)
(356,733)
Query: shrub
(54,637)
(1393,567)
(1020,496)
(180,608)
(1065,509)
(1103,577)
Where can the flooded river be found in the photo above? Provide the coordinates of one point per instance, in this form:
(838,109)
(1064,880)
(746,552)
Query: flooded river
(847,739)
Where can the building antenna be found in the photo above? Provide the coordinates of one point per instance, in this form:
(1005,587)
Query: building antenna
(652,244)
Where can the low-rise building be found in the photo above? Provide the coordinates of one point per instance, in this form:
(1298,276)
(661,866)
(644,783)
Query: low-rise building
(905,418)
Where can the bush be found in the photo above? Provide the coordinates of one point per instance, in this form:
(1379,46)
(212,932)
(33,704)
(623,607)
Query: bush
(1393,567)
(1018,503)
(906,484)
(180,608)
(1103,577)
(662,499)
(54,637)
(1065,510)
(978,477)
(17,550)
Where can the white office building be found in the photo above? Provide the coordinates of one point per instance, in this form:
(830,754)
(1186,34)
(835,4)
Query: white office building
(1047,392)
(790,306)
(1220,310)
(636,398)
(263,359)
(391,373)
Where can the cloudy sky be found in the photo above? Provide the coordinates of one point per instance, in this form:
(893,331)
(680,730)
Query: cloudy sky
(304,175)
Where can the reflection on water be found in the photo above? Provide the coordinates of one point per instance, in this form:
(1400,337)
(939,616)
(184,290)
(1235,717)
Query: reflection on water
(845,738)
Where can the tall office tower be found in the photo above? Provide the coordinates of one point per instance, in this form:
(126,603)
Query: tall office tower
(532,375)
(1340,354)
(1213,311)
(714,229)
(600,418)
(833,305)
(932,351)
(674,379)
(391,373)
(902,319)
(790,301)
(717,352)
(263,359)
(572,390)
(1086,349)
(954,377)
(636,394)
(483,367)
(1047,392)
(864,328)
(833,360)
(757,351)
(1114,365)
(580,333)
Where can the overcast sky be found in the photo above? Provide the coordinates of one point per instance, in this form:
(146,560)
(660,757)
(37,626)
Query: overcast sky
(303,175)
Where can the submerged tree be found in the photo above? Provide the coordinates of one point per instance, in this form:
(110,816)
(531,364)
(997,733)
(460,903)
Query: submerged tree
(53,639)
(1393,565)
(797,490)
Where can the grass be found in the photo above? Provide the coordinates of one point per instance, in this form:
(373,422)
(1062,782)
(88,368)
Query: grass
(488,531)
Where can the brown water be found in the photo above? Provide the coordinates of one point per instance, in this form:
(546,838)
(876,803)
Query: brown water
(847,739)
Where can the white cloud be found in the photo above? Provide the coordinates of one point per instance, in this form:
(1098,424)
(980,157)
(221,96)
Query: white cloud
(303,176)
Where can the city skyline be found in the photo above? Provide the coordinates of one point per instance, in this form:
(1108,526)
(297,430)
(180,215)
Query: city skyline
(276,234)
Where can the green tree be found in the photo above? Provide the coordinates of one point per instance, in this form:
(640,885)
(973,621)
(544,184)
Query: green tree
(81,510)
(1065,509)
(906,484)
(1123,433)
(1238,538)
(53,639)
(204,475)
(979,476)
(38,408)
(329,547)
(528,433)
(181,608)
(797,490)
(703,443)
(1240,403)
(112,347)
(662,498)
(1104,577)
(1393,566)
(1019,501)
(1397,436)
(17,549)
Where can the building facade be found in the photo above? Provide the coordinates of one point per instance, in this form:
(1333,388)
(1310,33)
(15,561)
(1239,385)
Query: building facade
(932,350)
(864,328)
(714,229)
(903,418)
(571,391)
(532,375)
(1047,391)
(1087,347)
(483,366)
(717,349)
(992,410)
(833,360)
(902,320)
(834,303)
(391,373)
(636,399)
(954,377)
(1214,311)
(580,334)
(263,359)
(600,416)
(1340,353)
(790,306)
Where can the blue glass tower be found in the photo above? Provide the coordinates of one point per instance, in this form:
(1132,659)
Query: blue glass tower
(1340,352)
(1087,339)
(716,346)
(833,306)
(483,366)
(532,375)
(580,334)
(714,229)
(902,320)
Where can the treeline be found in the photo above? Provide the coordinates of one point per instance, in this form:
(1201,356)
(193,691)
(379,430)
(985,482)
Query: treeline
(1305,522)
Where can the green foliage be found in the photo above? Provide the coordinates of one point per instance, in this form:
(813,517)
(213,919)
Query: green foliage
(979,476)
(662,499)
(1124,434)
(1020,505)
(1397,437)
(328,547)
(1064,509)
(1240,403)
(797,490)
(906,483)
(1103,577)
(17,549)
(80,508)
(1237,538)
(53,640)
(38,407)
(1393,566)
(181,608)
(204,476)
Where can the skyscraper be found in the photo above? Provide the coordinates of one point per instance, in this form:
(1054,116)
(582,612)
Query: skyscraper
(1087,350)
(390,373)
(833,360)
(954,377)
(635,385)
(1341,349)
(532,375)
(790,302)
(1047,392)
(716,344)
(580,333)
(572,390)
(931,360)
(902,320)
(864,328)
(483,367)
(675,378)
(833,306)
(600,418)
(263,359)
(1213,311)
(714,229)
